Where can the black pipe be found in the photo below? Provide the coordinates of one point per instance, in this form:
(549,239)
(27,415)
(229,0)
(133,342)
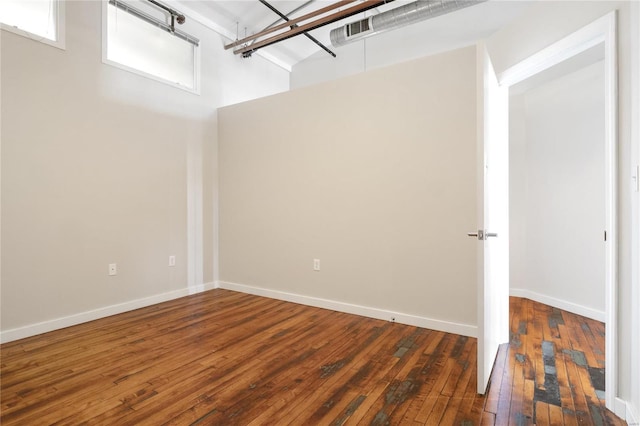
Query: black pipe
(153,21)
(248,50)
(309,36)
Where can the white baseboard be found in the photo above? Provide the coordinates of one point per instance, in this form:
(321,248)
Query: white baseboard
(202,287)
(559,303)
(58,323)
(382,314)
(624,411)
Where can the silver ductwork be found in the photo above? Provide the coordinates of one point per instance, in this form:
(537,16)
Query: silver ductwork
(396,18)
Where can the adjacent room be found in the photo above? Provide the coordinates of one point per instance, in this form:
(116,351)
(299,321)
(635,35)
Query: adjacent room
(320,212)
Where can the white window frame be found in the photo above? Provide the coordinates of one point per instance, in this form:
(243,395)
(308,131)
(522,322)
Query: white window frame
(196,65)
(59,42)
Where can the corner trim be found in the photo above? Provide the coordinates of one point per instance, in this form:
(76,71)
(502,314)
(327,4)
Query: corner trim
(79,318)
(624,411)
(630,417)
(559,303)
(382,314)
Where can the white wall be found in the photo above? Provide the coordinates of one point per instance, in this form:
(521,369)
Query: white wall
(635,215)
(545,23)
(557,192)
(100,166)
(374,175)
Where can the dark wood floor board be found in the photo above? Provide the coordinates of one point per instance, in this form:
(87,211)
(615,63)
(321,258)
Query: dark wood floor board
(427,355)
(470,409)
(414,384)
(372,396)
(375,387)
(369,392)
(222,357)
(437,369)
(401,380)
(97,386)
(92,372)
(461,357)
(535,371)
(404,350)
(112,327)
(241,372)
(579,400)
(495,385)
(577,338)
(526,402)
(538,365)
(488,419)
(343,369)
(516,406)
(434,393)
(338,369)
(555,415)
(91,348)
(408,374)
(330,370)
(542,413)
(562,359)
(520,411)
(506,389)
(457,397)
(568,407)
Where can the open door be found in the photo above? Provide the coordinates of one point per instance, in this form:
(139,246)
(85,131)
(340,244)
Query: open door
(493,217)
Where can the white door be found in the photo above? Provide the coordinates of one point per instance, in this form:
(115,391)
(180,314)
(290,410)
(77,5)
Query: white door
(493,217)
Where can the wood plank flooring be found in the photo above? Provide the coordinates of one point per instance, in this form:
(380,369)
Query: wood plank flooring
(226,358)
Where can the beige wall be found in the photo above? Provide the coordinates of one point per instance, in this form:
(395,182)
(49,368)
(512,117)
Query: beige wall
(374,175)
(102,166)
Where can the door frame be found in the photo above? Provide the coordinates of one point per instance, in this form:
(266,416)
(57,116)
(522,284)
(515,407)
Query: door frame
(602,31)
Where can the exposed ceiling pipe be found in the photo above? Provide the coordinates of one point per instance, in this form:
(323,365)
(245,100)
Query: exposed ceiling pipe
(396,18)
(321,22)
(289,23)
(286,19)
(297,9)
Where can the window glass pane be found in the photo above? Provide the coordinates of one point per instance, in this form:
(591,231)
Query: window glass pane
(142,46)
(35,16)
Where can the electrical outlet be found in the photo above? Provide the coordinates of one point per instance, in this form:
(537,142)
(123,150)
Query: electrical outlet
(172,261)
(316,264)
(113,269)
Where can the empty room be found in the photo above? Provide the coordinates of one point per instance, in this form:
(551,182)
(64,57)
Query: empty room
(319,212)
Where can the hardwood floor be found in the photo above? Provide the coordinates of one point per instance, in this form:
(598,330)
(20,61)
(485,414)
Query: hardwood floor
(552,371)
(226,358)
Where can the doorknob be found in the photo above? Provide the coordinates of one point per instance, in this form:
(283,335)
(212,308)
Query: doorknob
(479,234)
(482,235)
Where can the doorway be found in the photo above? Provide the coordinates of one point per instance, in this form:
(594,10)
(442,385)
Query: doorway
(557,186)
(595,42)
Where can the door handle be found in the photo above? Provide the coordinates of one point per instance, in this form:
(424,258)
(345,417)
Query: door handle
(482,235)
(479,234)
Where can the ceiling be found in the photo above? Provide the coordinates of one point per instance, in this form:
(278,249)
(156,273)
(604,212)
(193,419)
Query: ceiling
(577,62)
(240,18)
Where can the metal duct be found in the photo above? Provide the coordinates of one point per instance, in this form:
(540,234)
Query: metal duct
(396,18)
